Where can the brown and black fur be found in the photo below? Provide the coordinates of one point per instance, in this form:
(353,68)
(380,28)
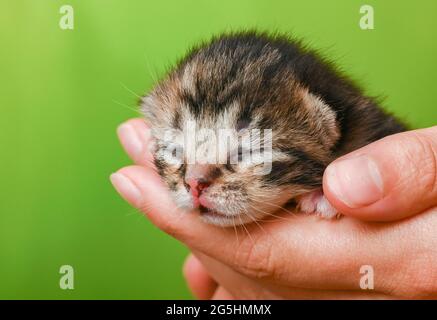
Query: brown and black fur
(315,112)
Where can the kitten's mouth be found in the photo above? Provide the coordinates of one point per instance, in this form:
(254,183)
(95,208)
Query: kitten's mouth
(210,212)
(215,217)
(218,218)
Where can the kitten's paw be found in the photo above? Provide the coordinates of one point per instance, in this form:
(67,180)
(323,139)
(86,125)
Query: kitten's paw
(315,202)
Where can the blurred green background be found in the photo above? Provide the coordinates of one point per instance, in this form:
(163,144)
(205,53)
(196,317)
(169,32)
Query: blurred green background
(63,92)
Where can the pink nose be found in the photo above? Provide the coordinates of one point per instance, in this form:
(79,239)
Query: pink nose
(200,176)
(197,186)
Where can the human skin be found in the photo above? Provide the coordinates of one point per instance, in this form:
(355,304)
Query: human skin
(387,192)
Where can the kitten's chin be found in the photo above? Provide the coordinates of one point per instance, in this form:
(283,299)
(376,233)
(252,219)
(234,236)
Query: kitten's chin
(208,212)
(221,219)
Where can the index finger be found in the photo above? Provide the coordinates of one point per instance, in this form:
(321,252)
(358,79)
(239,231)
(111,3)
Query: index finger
(136,139)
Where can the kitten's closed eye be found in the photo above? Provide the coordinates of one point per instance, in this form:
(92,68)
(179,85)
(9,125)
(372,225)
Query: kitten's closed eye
(171,153)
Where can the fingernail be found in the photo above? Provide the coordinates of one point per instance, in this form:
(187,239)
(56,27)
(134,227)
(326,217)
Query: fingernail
(126,188)
(130,140)
(355,181)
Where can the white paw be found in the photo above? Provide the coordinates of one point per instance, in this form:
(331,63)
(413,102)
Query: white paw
(315,202)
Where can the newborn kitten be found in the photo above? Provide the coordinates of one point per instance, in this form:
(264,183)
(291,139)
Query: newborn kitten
(248,81)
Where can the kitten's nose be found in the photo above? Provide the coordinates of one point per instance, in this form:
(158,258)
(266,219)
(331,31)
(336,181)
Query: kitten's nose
(201,176)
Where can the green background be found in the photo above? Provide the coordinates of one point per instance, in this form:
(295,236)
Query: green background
(63,92)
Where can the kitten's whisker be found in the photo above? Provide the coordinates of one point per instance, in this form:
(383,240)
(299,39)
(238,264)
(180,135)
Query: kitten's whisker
(235,229)
(126,106)
(270,214)
(132,212)
(255,221)
(139,210)
(267,213)
(153,75)
(129,90)
(247,231)
(275,205)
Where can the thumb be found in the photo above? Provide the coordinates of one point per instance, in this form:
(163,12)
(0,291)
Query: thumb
(389,179)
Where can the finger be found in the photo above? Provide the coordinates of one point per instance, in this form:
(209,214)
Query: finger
(311,255)
(135,138)
(199,281)
(389,179)
(233,283)
(222,294)
(304,252)
(240,287)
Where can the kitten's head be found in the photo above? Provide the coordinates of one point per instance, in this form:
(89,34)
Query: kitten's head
(236,134)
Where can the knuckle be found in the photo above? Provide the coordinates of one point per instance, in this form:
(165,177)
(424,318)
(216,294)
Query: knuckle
(426,165)
(255,259)
(172,229)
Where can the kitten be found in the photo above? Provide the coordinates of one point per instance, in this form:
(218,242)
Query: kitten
(246,82)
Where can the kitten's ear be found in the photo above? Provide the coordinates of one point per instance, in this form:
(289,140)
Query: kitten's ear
(323,118)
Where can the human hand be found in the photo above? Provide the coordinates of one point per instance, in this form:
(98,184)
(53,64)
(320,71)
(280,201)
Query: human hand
(302,256)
